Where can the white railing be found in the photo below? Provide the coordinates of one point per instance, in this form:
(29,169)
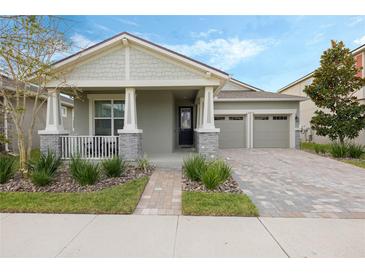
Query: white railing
(89,147)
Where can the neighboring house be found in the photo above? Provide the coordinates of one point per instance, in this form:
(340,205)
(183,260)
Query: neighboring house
(307,108)
(7,127)
(140,98)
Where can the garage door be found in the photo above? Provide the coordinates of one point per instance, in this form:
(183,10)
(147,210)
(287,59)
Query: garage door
(232,131)
(271,131)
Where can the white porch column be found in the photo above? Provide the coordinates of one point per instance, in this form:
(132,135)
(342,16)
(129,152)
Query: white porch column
(130,113)
(200,113)
(54,123)
(208,109)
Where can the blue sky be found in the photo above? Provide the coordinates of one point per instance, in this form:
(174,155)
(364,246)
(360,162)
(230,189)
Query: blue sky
(265,51)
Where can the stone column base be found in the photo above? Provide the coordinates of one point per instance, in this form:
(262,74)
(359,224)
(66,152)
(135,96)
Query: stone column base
(51,142)
(206,143)
(130,146)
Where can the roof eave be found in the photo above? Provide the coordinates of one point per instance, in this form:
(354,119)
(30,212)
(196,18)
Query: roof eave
(259,99)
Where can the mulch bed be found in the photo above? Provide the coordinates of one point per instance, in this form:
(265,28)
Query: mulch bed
(63,182)
(229,186)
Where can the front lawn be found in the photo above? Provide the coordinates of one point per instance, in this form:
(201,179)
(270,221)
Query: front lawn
(121,199)
(217,204)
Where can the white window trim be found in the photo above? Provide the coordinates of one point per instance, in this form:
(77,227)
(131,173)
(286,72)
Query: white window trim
(100,97)
(64,111)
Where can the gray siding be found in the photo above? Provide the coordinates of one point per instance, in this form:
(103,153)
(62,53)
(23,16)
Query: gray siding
(81,116)
(155,114)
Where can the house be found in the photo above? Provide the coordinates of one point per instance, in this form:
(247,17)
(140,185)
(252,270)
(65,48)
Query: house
(141,98)
(307,108)
(7,127)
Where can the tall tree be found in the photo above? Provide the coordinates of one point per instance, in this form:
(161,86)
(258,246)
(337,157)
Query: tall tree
(340,115)
(28,46)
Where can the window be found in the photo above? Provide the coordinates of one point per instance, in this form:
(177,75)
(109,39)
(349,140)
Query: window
(219,118)
(235,118)
(64,111)
(109,117)
(261,117)
(280,118)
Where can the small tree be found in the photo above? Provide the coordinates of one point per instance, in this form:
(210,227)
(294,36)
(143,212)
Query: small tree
(28,46)
(340,115)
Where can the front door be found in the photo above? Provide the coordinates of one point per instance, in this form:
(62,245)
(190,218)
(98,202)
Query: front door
(186,132)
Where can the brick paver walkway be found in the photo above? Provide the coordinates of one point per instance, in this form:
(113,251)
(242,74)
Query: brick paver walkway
(162,195)
(293,183)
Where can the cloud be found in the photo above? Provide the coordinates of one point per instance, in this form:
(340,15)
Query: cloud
(206,33)
(128,22)
(318,37)
(355,20)
(102,27)
(360,41)
(223,53)
(79,41)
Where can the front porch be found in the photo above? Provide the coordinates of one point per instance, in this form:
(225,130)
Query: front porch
(131,123)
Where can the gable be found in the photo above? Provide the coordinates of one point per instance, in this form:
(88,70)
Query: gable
(230,86)
(131,63)
(145,65)
(107,66)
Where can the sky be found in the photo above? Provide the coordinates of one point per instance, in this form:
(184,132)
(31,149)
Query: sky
(268,52)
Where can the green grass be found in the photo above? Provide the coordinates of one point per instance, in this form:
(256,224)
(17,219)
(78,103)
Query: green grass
(121,199)
(308,146)
(217,204)
(355,162)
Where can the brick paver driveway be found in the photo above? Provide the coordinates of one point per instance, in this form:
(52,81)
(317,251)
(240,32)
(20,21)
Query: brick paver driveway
(293,183)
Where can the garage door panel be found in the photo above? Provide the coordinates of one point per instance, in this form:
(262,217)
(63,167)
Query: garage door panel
(232,132)
(271,133)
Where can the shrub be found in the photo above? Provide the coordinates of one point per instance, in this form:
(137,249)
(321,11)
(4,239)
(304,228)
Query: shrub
(210,178)
(355,151)
(7,169)
(338,150)
(224,170)
(114,167)
(319,148)
(143,164)
(216,173)
(194,167)
(44,168)
(40,177)
(48,163)
(84,172)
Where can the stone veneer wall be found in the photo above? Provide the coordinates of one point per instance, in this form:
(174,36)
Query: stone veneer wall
(130,146)
(51,142)
(207,143)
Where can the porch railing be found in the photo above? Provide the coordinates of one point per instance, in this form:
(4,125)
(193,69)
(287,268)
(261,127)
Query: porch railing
(89,147)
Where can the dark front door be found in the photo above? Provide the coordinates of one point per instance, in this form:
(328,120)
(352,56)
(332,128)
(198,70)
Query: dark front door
(186,126)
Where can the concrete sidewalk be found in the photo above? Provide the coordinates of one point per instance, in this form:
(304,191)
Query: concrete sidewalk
(70,235)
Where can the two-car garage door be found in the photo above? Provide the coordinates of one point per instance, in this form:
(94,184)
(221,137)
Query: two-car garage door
(269,131)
